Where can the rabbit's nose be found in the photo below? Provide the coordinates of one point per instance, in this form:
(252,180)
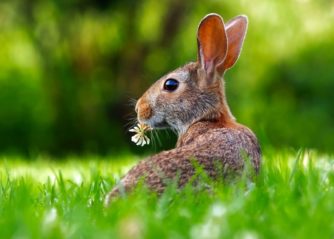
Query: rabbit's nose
(143,109)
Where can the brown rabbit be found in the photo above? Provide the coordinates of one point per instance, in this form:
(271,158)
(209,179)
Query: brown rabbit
(191,100)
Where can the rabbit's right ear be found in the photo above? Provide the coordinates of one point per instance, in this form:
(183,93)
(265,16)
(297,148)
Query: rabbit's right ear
(236,30)
(212,43)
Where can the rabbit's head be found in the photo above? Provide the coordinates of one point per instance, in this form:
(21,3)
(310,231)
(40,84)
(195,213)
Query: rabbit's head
(195,91)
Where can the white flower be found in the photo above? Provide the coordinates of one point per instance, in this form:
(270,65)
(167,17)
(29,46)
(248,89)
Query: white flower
(140,138)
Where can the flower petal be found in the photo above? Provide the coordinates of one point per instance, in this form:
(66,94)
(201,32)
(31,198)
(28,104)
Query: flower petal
(140,141)
(135,138)
(143,143)
(137,128)
(147,139)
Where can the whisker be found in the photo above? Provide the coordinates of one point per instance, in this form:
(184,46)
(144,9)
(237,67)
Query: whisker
(131,120)
(153,140)
(131,123)
(132,102)
(172,130)
(158,142)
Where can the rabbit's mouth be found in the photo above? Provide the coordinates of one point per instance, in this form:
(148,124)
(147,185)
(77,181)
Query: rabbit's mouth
(154,123)
(160,125)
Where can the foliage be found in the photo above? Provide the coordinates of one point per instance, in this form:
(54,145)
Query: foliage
(291,198)
(69,68)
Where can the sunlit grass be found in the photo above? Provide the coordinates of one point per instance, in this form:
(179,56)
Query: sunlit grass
(291,198)
(76,169)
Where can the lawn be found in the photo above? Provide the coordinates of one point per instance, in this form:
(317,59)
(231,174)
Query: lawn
(293,197)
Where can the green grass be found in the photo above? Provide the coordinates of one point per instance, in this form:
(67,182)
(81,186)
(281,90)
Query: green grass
(293,197)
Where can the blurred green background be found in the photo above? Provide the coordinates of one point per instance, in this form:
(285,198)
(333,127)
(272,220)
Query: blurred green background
(69,68)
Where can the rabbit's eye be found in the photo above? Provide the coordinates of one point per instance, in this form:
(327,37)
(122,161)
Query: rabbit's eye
(171,84)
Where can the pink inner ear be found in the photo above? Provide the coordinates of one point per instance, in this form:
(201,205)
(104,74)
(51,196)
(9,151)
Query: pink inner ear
(212,42)
(208,66)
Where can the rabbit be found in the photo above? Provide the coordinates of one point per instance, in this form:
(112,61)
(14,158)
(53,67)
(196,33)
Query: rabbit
(191,100)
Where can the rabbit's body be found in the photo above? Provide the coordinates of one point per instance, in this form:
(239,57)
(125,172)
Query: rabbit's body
(191,100)
(226,155)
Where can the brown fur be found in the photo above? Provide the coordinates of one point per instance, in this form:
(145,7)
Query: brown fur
(198,111)
(144,111)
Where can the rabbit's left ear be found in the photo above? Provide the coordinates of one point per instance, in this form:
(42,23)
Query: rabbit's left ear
(212,43)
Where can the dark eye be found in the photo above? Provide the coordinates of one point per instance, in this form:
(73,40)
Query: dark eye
(171,84)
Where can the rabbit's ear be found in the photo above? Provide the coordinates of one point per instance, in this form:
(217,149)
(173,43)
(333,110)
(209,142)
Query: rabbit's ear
(212,43)
(236,30)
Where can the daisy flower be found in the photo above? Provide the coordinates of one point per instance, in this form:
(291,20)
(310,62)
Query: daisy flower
(140,138)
